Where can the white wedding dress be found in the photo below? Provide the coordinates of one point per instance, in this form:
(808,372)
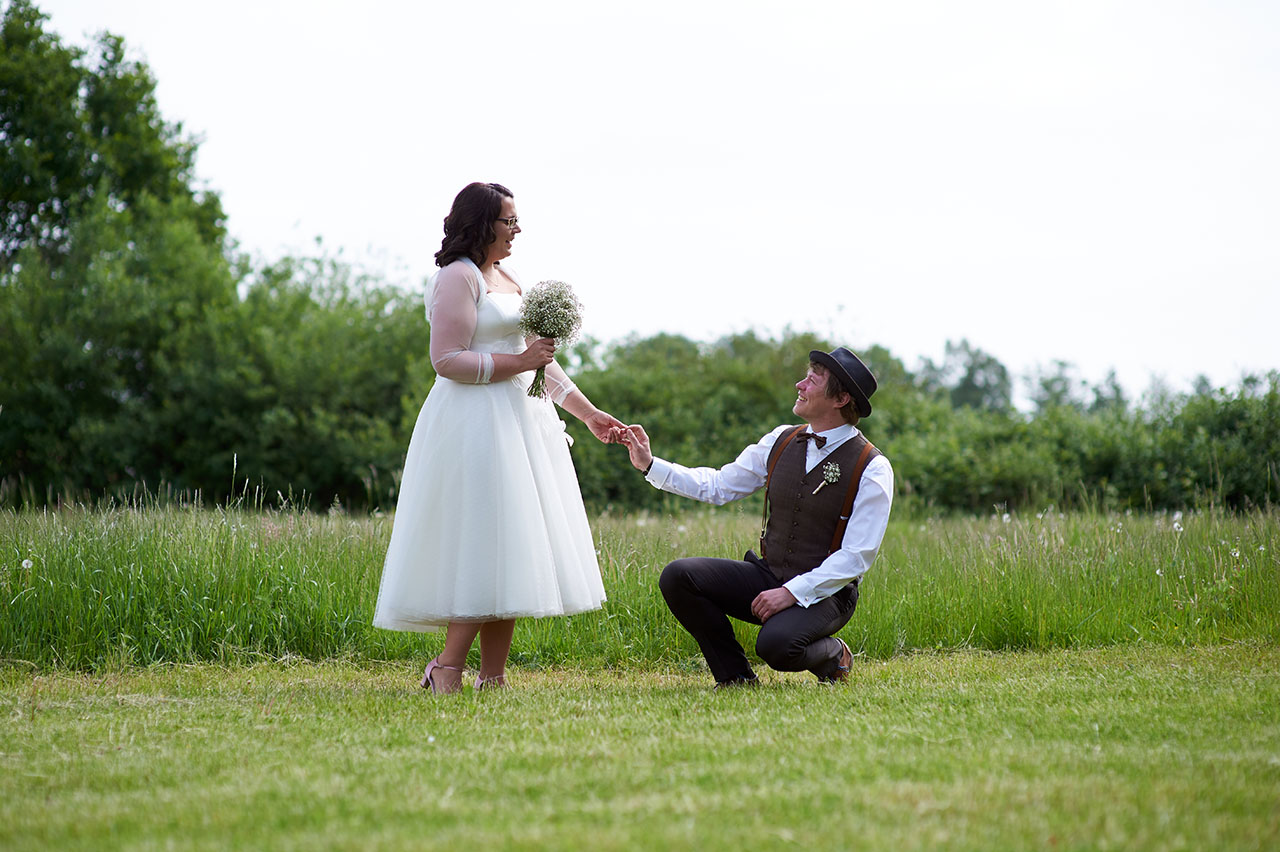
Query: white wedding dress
(489,522)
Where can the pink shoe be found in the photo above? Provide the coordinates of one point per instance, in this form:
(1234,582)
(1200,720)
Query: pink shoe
(499,682)
(428,683)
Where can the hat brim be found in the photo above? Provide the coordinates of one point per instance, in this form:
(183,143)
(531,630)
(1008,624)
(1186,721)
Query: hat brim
(860,401)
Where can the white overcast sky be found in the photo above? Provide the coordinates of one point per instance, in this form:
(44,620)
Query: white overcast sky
(1096,182)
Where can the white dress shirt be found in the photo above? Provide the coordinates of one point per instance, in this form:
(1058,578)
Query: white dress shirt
(747,474)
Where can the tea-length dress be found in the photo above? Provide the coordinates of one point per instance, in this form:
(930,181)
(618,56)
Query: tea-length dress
(489,522)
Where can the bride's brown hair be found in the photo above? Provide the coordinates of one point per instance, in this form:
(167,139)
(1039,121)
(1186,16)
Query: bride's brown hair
(468,229)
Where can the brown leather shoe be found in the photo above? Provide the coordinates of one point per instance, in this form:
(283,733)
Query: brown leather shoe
(843,664)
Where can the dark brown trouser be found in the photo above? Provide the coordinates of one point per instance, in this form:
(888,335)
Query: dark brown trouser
(703,593)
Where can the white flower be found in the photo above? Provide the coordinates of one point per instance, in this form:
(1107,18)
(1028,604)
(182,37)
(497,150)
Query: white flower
(1005,517)
(1235,552)
(1159,572)
(682,528)
(1177,516)
(1177,527)
(27,564)
(830,475)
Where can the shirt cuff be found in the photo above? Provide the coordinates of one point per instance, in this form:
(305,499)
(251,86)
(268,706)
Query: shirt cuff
(802,590)
(659,473)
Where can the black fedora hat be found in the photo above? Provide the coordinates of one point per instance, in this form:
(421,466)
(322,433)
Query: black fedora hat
(851,372)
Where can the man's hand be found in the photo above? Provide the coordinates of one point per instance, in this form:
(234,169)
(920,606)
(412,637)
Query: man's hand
(638,446)
(605,427)
(771,602)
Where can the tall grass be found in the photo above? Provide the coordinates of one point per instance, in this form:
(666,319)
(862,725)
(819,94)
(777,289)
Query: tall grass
(147,583)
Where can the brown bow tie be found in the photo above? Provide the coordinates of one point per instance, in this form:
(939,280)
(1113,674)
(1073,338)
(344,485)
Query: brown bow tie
(818,440)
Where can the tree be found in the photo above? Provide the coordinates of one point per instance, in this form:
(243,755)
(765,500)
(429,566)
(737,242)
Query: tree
(1108,395)
(73,126)
(1056,387)
(970,377)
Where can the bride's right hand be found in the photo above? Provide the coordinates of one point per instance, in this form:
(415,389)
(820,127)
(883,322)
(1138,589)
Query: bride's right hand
(540,353)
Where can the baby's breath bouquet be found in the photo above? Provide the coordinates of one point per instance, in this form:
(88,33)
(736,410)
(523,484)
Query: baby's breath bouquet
(550,310)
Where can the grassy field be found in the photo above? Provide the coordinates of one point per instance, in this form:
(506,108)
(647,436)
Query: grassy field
(187,678)
(92,589)
(1140,747)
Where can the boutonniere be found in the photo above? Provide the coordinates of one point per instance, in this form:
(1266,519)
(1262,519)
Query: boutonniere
(830,475)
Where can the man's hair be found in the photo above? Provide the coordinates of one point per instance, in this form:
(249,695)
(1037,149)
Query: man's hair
(834,388)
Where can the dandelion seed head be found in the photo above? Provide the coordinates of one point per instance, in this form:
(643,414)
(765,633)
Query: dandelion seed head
(27,564)
(1005,517)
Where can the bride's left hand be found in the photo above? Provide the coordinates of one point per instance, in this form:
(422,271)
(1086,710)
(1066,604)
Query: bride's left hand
(604,426)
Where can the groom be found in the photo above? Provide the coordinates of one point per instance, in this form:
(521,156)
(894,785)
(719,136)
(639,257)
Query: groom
(827,498)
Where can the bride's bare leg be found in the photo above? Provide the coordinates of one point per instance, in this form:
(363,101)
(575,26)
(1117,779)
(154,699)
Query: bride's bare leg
(495,647)
(458,638)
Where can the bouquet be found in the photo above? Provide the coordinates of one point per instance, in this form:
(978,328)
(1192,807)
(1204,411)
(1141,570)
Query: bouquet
(550,310)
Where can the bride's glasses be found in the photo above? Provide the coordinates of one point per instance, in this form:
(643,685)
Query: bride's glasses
(512,222)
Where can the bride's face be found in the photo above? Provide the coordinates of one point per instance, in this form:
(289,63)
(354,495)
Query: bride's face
(505,230)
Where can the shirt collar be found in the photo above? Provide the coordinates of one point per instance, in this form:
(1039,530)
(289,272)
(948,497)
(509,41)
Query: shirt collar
(839,434)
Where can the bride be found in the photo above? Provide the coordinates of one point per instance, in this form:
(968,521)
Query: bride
(489,524)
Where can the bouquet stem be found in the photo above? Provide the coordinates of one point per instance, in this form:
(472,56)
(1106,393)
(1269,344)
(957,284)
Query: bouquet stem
(539,387)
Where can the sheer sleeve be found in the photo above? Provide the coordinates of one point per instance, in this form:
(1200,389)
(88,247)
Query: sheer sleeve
(451,309)
(559,385)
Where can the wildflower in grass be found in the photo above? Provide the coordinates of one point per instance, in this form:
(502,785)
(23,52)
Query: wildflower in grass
(1159,572)
(550,309)
(1235,553)
(27,565)
(1177,516)
(1177,527)
(1005,517)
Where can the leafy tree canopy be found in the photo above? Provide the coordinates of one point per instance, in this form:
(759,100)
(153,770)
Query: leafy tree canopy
(75,125)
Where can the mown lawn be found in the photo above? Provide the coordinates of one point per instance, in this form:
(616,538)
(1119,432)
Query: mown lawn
(1130,747)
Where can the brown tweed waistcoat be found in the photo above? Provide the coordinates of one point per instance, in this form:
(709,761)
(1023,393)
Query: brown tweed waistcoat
(801,525)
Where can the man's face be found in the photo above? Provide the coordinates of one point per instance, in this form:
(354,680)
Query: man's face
(811,394)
